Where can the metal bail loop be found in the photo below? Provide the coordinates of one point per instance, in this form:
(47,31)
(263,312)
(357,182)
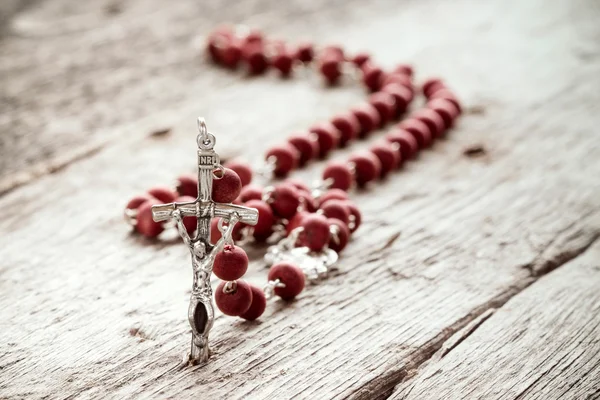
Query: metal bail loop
(205,139)
(202,126)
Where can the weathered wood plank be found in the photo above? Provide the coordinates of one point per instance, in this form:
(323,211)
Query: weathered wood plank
(89,311)
(73,75)
(544,343)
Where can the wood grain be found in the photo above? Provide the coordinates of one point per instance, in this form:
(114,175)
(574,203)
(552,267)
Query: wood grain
(90,311)
(544,343)
(96,68)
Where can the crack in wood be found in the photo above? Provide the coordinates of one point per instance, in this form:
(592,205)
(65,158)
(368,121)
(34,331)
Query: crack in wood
(476,150)
(391,240)
(47,168)
(463,328)
(465,332)
(541,266)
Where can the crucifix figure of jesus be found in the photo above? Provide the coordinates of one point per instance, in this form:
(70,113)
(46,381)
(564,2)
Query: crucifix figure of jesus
(203,252)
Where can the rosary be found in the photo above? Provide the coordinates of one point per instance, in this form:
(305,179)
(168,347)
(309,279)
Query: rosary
(307,226)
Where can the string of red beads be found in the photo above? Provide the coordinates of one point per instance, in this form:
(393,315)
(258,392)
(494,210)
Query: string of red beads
(328,220)
(392,92)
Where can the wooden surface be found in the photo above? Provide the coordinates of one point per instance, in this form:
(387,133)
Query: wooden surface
(481,281)
(542,344)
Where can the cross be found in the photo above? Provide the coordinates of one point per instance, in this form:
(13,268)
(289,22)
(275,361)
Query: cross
(201,310)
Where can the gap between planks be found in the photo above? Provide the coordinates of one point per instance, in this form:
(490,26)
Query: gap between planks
(458,377)
(456,333)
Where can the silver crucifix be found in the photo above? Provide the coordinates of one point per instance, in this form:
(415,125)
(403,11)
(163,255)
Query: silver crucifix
(201,310)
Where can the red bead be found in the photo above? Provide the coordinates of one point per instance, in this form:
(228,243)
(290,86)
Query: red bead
(231,53)
(339,241)
(243,170)
(336,209)
(304,53)
(431,84)
(295,221)
(283,62)
(212,49)
(231,263)
(331,194)
(254,55)
(286,159)
(360,59)
(445,109)
(367,167)
(340,173)
(372,77)
(407,142)
(443,93)
(187,185)
(328,137)
(216,40)
(163,194)
(448,96)
(330,67)
(145,224)
(285,200)
(388,157)
(405,69)
(356,216)
(419,130)
(226,186)
(316,232)
(402,97)
(400,79)
(432,119)
(137,201)
(433,89)
(334,51)
(254,36)
(368,117)
(298,184)
(307,201)
(215,233)
(258,305)
(251,192)
(291,276)
(264,227)
(385,104)
(307,145)
(237,301)
(348,126)
(190,222)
